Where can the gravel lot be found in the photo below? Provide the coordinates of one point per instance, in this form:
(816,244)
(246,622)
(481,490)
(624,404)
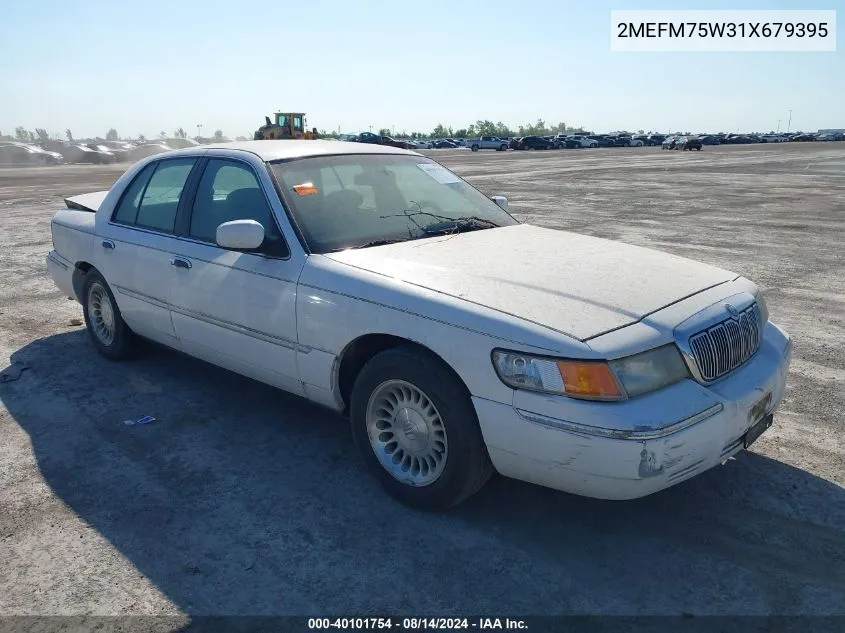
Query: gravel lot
(243,500)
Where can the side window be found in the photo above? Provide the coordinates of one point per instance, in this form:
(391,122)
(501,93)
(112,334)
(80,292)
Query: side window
(127,209)
(160,200)
(229,190)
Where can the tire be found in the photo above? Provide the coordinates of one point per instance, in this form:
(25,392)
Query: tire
(503,148)
(474,148)
(116,342)
(465,466)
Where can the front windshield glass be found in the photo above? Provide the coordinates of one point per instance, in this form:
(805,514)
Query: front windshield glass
(356,200)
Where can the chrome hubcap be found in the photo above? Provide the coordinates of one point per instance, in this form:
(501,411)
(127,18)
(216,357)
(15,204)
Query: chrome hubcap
(406,433)
(101,314)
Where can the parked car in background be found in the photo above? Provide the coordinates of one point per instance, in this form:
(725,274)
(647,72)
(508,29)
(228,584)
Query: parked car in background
(580,140)
(669,142)
(350,138)
(149,149)
(710,140)
(738,139)
(444,144)
(514,142)
(773,138)
(831,136)
(420,143)
(13,153)
(802,138)
(603,140)
(179,142)
(121,149)
(83,153)
(656,139)
(622,141)
(535,142)
(689,143)
(636,141)
(487,142)
(378,139)
(644,138)
(591,366)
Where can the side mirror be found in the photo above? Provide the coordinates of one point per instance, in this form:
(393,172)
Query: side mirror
(240,235)
(501,201)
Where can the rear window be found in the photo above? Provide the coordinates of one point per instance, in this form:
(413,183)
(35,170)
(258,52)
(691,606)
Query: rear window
(152,199)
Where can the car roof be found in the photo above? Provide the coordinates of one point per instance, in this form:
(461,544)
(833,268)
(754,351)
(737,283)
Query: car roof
(271,150)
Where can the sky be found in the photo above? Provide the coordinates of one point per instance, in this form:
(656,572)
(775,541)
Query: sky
(144,67)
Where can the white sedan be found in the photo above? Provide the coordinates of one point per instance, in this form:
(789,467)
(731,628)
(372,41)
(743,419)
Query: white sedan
(421,143)
(457,340)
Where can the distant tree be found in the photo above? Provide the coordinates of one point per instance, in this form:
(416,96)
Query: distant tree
(180,133)
(142,138)
(218,136)
(241,138)
(111,135)
(23,135)
(162,135)
(384,131)
(640,131)
(441,132)
(42,135)
(69,135)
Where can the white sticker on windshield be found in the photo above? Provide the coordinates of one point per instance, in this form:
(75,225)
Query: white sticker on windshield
(439,173)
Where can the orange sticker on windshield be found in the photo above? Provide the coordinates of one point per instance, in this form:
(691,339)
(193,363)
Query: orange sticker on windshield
(305,189)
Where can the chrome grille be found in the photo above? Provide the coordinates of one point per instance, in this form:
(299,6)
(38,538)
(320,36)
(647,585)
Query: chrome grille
(723,347)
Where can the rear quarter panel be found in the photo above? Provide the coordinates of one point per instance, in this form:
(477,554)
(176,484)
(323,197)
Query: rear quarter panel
(73,235)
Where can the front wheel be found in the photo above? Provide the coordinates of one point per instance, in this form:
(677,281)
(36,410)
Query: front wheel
(474,148)
(416,428)
(109,333)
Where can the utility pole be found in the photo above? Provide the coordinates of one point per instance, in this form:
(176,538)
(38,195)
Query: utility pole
(789,125)
(199,130)
(778,130)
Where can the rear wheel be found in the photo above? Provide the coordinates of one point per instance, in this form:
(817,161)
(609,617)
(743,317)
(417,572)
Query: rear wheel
(474,148)
(417,430)
(109,333)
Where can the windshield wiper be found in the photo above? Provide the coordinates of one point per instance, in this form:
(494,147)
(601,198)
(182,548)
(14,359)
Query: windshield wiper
(458,225)
(382,242)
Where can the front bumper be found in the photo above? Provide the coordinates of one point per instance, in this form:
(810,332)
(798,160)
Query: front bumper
(681,431)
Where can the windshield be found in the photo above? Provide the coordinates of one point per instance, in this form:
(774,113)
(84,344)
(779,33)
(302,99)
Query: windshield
(358,200)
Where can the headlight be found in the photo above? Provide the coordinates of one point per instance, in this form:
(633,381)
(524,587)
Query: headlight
(592,380)
(579,379)
(650,370)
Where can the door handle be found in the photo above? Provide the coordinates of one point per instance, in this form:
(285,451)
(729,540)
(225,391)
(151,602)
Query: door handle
(108,244)
(180,262)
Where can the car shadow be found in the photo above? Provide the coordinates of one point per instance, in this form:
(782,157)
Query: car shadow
(241,499)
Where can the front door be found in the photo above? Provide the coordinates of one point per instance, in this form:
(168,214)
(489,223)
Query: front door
(236,309)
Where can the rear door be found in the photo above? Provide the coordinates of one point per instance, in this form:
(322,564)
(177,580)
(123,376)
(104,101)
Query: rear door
(138,243)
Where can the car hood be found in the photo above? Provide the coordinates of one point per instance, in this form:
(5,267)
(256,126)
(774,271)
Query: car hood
(574,284)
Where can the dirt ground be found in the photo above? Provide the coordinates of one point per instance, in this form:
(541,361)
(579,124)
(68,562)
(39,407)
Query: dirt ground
(243,500)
